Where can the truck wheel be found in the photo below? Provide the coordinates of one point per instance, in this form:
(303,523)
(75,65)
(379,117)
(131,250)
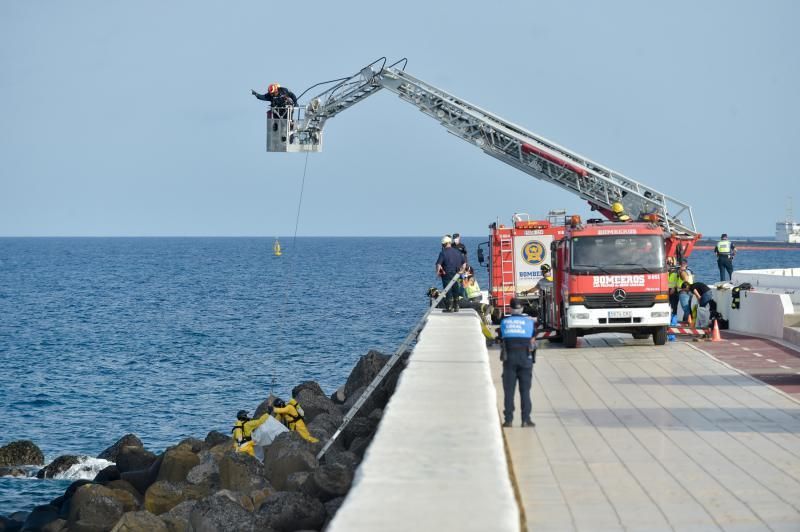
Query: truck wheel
(570,337)
(660,336)
(641,336)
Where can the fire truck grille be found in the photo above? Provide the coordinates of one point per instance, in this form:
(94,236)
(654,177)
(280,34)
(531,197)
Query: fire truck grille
(630,301)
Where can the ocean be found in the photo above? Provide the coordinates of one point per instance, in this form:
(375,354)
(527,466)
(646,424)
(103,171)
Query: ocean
(170,337)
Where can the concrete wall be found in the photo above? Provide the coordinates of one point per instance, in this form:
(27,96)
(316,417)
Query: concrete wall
(760,313)
(437,461)
(783,280)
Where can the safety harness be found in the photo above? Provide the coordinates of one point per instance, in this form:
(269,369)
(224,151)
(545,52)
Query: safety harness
(244,438)
(292,420)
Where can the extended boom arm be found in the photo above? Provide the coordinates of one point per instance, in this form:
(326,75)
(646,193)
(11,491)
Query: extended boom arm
(504,140)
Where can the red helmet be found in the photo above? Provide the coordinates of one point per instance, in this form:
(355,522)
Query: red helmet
(273,88)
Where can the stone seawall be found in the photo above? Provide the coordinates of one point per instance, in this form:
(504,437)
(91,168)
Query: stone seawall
(206,485)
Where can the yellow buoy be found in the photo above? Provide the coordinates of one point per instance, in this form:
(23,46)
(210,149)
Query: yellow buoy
(276,248)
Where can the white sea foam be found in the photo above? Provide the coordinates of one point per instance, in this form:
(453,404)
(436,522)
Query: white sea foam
(86,468)
(30,471)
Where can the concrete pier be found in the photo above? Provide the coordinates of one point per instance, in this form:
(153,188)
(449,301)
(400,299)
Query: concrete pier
(437,461)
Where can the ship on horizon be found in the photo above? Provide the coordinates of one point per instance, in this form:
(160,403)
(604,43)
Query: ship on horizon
(787,236)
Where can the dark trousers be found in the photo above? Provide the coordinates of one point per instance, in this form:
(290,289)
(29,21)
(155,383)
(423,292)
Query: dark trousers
(708,299)
(725,267)
(518,366)
(451,298)
(673,302)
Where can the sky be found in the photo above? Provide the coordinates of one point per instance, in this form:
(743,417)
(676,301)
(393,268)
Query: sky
(123,118)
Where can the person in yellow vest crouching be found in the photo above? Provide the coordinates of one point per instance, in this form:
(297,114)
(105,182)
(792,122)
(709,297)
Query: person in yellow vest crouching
(243,430)
(291,414)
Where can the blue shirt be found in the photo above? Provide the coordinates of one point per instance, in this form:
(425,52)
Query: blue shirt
(516,332)
(517,326)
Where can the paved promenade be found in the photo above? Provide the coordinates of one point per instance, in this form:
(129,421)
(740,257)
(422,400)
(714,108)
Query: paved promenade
(631,436)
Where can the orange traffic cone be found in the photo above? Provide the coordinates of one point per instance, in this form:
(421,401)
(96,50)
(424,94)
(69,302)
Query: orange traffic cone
(715,336)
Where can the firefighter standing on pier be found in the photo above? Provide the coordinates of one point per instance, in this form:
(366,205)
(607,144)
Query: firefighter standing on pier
(725,251)
(449,264)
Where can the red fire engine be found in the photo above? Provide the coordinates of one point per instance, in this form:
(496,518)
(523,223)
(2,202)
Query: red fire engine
(608,276)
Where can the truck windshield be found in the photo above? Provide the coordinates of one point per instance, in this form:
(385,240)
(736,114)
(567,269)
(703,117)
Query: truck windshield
(618,253)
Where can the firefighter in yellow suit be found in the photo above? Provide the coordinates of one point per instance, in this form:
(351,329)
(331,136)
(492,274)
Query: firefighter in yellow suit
(291,415)
(244,427)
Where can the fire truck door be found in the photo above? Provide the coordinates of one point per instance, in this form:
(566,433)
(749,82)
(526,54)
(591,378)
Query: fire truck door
(530,252)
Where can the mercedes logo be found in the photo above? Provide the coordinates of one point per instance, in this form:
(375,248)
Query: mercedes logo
(619,295)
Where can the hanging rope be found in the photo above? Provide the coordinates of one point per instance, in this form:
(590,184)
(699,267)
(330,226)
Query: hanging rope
(288,271)
(300,202)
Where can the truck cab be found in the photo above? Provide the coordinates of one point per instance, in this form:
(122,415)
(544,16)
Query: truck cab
(608,276)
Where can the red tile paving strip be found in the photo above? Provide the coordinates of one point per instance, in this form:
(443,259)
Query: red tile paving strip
(777,365)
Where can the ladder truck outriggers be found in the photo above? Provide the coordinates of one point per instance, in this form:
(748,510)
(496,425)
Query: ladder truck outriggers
(622,279)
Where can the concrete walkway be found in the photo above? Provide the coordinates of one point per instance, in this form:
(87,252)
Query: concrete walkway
(631,436)
(437,461)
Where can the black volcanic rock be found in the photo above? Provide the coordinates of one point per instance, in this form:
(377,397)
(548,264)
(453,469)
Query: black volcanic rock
(57,466)
(21,452)
(111,453)
(215,437)
(134,459)
(288,511)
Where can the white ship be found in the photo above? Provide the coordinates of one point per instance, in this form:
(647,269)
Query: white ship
(787,231)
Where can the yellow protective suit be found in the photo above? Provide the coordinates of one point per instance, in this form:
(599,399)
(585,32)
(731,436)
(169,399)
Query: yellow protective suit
(289,416)
(241,434)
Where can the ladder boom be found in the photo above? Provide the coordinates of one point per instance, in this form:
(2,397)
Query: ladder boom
(512,144)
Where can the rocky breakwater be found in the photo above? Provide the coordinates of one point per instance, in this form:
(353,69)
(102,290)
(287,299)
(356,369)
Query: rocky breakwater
(205,485)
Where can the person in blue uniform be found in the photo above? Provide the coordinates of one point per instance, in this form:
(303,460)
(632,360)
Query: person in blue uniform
(518,353)
(725,251)
(448,265)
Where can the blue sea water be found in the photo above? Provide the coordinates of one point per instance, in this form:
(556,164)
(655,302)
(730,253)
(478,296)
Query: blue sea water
(169,337)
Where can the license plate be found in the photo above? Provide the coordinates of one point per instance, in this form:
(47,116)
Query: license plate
(619,313)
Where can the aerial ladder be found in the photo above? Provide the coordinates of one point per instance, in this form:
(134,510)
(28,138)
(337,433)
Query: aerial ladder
(512,144)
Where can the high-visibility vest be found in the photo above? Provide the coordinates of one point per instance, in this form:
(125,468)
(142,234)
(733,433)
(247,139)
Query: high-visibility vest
(472,289)
(724,247)
(688,277)
(674,280)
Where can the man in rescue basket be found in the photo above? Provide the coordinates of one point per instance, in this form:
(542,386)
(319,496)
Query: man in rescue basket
(281,98)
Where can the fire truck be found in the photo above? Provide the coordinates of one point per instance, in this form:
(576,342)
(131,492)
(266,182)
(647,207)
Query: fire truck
(516,255)
(664,224)
(608,276)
